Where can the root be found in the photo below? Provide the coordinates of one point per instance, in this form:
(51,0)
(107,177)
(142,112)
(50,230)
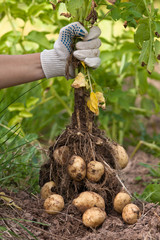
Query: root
(84,139)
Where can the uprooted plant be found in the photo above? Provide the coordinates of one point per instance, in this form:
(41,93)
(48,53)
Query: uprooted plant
(83,160)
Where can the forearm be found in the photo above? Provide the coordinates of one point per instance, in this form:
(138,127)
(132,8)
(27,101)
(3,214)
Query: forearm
(19,69)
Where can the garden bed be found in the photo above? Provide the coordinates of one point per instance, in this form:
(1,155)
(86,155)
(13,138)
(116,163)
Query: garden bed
(33,223)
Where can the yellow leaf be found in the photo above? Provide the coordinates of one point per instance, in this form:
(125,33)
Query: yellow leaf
(9,201)
(79,81)
(93,103)
(100,97)
(101,100)
(83,64)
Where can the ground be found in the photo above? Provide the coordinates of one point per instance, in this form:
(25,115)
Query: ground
(33,223)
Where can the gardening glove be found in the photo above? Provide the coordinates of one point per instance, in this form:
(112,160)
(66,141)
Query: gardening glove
(54,61)
(88,49)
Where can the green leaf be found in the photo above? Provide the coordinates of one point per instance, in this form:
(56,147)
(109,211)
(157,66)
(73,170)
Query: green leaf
(152,193)
(16,119)
(39,38)
(142,80)
(16,107)
(115,13)
(153,92)
(147,104)
(151,61)
(31,102)
(73,6)
(18,13)
(154,75)
(144,53)
(157,49)
(142,34)
(157,27)
(36,9)
(25,114)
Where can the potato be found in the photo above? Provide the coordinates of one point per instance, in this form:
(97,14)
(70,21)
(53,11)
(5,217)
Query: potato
(120,155)
(87,200)
(93,217)
(95,170)
(54,204)
(61,155)
(120,201)
(77,168)
(47,189)
(131,213)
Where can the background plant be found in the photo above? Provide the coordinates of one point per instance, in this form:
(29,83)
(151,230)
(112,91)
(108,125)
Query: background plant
(44,108)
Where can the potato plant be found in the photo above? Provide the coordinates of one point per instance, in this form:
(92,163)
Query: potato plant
(124,58)
(82,137)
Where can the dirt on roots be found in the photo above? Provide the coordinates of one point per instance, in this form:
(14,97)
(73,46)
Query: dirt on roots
(83,138)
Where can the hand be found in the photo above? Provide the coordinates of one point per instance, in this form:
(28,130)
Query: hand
(88,49)
(54,61)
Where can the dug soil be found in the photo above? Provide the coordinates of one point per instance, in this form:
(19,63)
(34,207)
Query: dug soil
(33,223)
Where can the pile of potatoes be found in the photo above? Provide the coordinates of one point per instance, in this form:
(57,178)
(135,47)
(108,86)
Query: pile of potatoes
(90,204)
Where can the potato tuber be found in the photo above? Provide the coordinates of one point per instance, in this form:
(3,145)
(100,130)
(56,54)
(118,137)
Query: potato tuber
(54,204)
(77,168)
(131,213)
(61,155)
(95,170)
(120,201)
(87,200)
(120,156)
(93,217)
(47,189)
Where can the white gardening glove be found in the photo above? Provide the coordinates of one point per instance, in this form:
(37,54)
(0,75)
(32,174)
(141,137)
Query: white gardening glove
(88,49)
(54,61)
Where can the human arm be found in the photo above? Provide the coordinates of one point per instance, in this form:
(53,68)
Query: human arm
(19,69)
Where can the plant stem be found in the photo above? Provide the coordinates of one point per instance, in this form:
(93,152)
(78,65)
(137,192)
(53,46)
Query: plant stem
(89,78)
(150,145)
(121,132)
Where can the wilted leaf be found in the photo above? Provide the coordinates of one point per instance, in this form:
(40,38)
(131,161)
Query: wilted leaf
(9,201)
(101,100)
(79,81)
(92,103)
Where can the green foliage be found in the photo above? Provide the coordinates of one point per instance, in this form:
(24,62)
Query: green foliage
(151,192)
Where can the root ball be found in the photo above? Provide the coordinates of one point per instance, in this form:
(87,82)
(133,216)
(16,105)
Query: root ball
(61,155)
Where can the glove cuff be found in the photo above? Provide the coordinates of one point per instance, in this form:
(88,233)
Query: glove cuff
(51,64)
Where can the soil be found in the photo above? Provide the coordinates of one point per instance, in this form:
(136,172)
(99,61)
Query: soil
(68,223)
